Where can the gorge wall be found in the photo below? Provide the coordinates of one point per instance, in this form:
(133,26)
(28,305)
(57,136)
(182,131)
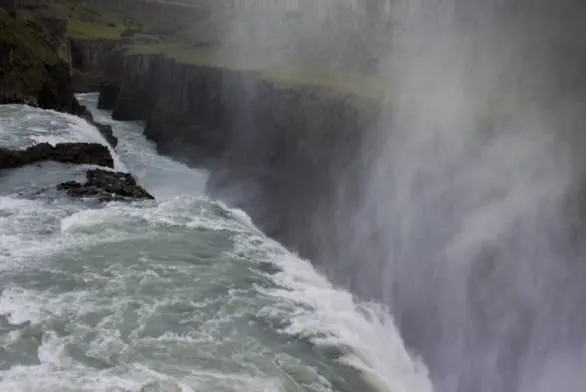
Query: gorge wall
(272,149)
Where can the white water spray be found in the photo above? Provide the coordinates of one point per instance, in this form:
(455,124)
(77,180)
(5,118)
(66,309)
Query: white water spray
(471,218)
(314,35)
(473,196)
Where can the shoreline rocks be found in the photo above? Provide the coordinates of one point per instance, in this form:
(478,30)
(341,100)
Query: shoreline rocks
(108,94)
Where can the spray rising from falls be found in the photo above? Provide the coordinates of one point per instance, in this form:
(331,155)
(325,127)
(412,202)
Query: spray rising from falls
(469,225)
(323,35)
(475,196)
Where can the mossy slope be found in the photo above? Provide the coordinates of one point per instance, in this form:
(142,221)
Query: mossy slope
(33,67)
(27,56)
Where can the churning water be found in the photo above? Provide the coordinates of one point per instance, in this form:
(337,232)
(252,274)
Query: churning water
(181,294)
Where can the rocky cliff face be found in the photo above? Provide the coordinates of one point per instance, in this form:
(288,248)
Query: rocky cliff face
(272,150)
(88,60)
(34,66)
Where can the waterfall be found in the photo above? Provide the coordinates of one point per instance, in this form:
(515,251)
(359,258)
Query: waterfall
(470,214)
(470,221)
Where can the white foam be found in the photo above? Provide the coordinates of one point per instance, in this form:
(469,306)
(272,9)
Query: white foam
(18,305)
(333,317)
(58,370)
(315,309)
(23,230)
(347,323)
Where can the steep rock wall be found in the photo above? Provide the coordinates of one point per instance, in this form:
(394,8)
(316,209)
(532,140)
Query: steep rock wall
(275,151)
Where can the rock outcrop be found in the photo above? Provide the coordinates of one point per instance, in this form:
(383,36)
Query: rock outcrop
(106,186)
(75,153)
(108,95)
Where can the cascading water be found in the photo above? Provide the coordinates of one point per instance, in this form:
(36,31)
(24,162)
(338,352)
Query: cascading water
(474,198)
(469,224)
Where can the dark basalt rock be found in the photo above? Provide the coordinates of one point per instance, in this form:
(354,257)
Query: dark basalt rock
(107,186)
(131,106)
(76,153)
(108,95)
(85,82)
(190,143)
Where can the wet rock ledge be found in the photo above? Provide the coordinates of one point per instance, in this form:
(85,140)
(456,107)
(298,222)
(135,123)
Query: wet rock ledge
(102,184)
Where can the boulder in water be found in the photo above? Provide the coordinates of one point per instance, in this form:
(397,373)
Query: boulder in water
(77,153)
(107,186)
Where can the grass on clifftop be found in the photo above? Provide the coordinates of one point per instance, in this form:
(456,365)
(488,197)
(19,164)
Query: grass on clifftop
(84,30)
(193,43)
(363,86)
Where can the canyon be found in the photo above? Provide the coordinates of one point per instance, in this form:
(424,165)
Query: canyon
(271,139)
